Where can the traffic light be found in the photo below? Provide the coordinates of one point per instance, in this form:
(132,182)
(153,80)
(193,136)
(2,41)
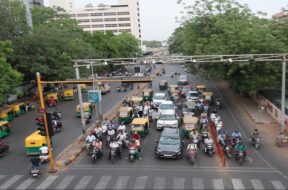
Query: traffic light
(50,124)
(41,125)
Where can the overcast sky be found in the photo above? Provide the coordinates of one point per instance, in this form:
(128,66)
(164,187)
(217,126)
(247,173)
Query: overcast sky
(158,16)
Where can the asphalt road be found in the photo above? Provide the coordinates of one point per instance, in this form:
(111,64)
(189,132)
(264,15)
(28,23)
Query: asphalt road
(258,172)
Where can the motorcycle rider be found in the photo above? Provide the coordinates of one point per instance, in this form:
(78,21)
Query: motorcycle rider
(135,144)
(52,101)
(193,134)
(208,142)
(121,127)
(2,147)
(98,145)
(121,137)
(218,101)
(236,136)
(203,121)
(106,122)
(44,151)
(98,131)
(90,139)
(115,144)
(240,147)
(255,135)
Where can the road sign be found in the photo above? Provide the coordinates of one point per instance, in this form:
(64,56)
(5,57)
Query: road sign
(94,96)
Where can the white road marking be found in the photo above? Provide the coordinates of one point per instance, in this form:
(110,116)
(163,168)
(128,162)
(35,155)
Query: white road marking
(25,184)
(197,183)
(83,182)
(103,182)
(159,183)
(140,182)
(218,184)
(2,176)
(179,183)
(257,184)
(65,182)
(10,181)
(47,182)
(277,184)
(121,182)
(237,184)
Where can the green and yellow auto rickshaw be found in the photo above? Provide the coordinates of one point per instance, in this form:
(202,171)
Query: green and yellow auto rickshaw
(34,142)
(163,85)
(83,88)
(201,88)
(209,97)
(172,87)
(189,123)
(5,129)
(87,107)
(136,100)
(148,94)
(68,94)
(141,126)
(17,108)
(125,115)
(6,114)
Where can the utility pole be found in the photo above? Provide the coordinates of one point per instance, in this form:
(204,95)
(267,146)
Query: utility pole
(28,14)
(282,123)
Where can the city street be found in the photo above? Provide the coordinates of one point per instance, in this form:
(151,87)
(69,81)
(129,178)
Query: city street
(258,172)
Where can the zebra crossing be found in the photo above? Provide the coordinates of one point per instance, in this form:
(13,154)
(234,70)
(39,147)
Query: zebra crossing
(136,182)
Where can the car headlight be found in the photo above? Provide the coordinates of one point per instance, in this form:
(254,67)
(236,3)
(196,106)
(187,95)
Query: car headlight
(158,150)
(178,151)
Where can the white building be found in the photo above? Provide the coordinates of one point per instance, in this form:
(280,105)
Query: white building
(64,4)
(124,17)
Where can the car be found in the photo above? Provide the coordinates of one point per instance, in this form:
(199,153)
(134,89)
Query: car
(166,105)
(192,95)
(183,80)
(170,144)
(167,119)
(159,62)
(185,89)
(158,98)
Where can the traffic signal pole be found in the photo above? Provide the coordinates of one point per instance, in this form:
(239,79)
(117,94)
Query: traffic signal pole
(42,107)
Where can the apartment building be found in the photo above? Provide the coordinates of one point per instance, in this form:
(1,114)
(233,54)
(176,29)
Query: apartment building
(283,15)
(123,17)
(64,4)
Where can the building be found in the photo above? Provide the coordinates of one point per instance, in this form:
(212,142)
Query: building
(124,17)
(283,15)
(64,4)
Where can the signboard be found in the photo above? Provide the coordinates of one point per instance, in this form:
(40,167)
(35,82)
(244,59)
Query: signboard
(94,96)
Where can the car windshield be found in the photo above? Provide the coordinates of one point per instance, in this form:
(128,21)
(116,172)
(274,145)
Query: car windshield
(166,106)
(167,117)
(182,78)
(158,97)
(169,140)
(193,94)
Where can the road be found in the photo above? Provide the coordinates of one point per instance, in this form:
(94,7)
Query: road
(258,172)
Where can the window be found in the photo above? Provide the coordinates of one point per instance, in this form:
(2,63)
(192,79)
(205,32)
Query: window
(123,13)
(124,19)
(84,20)
(109,13)
(72,15)
(124,30)
(96,14)
(110,25)
(97,25)
(84,26)
(109,19)
(124,24)
(114,31)
(82,15)
(97,20)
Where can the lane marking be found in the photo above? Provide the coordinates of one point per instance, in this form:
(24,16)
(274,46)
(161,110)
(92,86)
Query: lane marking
(197,183)
(47,182)
(237,184)
(159,183)
(140,182)
(218,184)
(26,183)
(10,182)
(179,183)
(257,184)
(65,182)
(121,182)
(103,182)
(83,182)
(277,184)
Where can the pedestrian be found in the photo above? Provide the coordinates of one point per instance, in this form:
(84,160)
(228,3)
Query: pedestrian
(74,89)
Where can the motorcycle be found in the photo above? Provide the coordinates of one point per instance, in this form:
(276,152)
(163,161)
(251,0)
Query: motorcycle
(240,157)
(218,104)
(44,158)
(132,154)
(109,139)
(204,135)
(118,89)
(191,156)
(4,150)
(228,151)
(56,114)
(58,126)
(35,171)
(196,141)
(89,148)
(163,71)
(113,154)
(255,142)
(209,150)
(124,89)
(96,154)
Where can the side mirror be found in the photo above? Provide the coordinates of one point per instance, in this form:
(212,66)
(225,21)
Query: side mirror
(155,140)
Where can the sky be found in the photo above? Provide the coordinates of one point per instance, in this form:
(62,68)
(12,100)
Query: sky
(158,16)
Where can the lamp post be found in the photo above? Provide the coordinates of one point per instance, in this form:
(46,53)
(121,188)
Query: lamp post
(282,123)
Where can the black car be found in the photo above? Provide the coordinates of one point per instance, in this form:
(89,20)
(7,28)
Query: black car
(170,144)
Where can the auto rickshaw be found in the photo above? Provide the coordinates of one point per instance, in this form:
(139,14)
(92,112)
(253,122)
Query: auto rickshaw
(18,108)
(174,95)
(141,126)
(209,97)
(201,88)
(87,107)
(5,129)
(125,115)
(68,94)
(6,114)
(83,87)
(172,87)
(34,142)
(189,123)
(189,107)
(163,85)
(52,95)
(136,100)
(148,94)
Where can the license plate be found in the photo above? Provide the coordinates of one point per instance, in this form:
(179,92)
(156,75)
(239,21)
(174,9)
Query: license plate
(166,155)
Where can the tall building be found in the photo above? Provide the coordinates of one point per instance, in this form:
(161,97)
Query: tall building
(64,4)
(124,17)
(283,15)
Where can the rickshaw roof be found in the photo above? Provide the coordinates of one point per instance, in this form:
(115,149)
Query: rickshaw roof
(35,136)
(163,81)
(5,109)
(136,98)
(68,90)
(190,119)
(140,121)
(3,123)
(200,86)
(85,104)
(15,104)
(148,90)
(208,93)
(174,91)
(83,85)
(125,109)
(173,86)
(52,94)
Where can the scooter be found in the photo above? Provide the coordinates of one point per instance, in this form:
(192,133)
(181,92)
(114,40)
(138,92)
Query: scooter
(132,154)
(204,135)
(218,104)
(228,151)
(58,127)
(209,150)
(196,141)
(255,142)
(35,171)
(4,150)
(118,89)
(95,155)
(191,156)
(113,154)
(44,158)
(240,157)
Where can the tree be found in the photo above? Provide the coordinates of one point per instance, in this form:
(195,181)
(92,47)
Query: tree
(153,43)
(10,78)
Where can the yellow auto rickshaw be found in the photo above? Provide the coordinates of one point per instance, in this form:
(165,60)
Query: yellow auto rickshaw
(125,115)
(141,126)
(208,96)
(172,87)
(83,87)
(148,94)
(201,88)
(6,114)
(34,142)
(136,100)
(174,94)
(87,107)
(5,129)
(163,85)
(17,108)
(189,123)
(68,94)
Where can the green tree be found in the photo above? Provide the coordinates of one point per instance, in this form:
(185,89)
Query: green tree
(10,78)
(153,43)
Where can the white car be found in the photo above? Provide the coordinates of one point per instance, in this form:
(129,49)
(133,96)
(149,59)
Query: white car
(166,105)
(182,80)
(158,98)
(192,95)
(167,118)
